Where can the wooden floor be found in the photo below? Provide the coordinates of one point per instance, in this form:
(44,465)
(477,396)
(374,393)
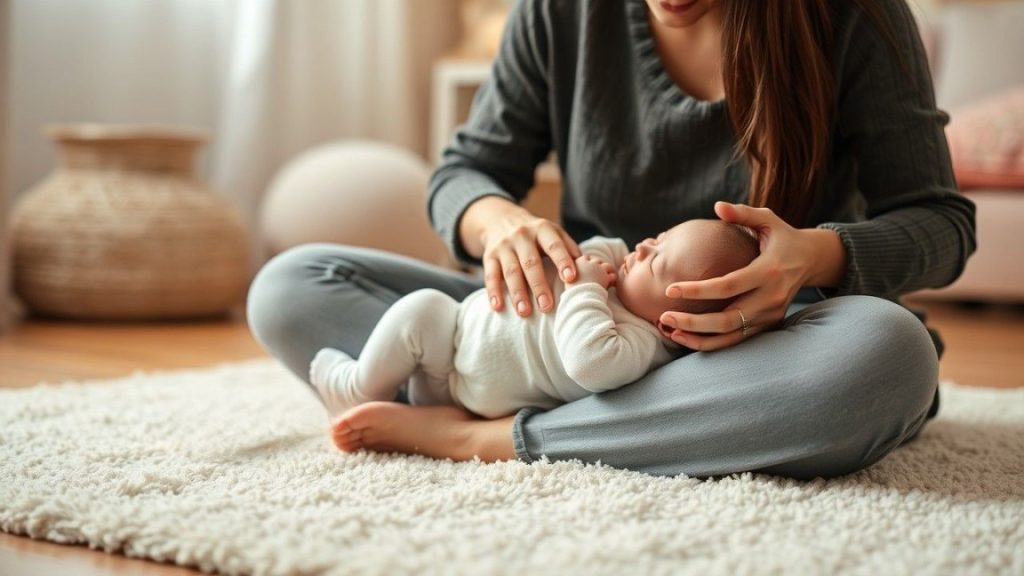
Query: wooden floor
(984,347)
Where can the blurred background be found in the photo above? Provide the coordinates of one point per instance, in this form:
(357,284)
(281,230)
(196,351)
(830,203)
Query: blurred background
(266,78)
(154,154)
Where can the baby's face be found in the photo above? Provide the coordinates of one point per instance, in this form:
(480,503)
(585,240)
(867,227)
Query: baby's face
(675,255)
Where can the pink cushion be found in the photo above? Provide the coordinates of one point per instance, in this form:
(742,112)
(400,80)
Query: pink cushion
(986,142)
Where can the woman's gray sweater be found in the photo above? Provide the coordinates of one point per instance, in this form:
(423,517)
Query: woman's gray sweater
(638,155)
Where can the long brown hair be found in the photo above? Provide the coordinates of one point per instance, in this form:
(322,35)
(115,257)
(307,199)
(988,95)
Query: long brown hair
(780,94)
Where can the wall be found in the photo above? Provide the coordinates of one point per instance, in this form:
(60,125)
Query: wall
(4,244)
(266,79)
(109,61)
(170,62)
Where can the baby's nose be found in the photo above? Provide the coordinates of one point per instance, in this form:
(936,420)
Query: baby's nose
(642,249)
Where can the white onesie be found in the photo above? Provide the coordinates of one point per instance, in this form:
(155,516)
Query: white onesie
(495,363)
(591,343)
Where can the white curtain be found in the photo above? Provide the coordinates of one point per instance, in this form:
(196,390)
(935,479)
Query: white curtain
(267,78)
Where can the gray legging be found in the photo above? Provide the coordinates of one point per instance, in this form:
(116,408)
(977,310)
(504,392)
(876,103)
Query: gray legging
(842,383)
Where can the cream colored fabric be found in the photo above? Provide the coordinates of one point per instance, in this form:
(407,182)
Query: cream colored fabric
(230,469)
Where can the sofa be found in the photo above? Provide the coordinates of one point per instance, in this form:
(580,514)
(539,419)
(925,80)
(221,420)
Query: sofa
(976,51)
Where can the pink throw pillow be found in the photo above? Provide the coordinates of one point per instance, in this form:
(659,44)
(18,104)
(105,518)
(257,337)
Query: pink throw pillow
(986,142)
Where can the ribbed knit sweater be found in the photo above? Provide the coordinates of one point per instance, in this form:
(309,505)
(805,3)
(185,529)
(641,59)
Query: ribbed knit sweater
(638,155)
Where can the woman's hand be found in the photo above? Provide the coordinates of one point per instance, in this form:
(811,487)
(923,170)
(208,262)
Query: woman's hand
(513,242)
(790,258)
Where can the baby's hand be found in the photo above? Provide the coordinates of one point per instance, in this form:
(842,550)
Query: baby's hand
(593,269)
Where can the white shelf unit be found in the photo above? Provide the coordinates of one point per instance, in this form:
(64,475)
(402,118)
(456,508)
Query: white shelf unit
(455,82)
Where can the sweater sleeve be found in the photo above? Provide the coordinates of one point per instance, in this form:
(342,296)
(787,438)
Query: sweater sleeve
(597,353)
(919,229)
(507,135)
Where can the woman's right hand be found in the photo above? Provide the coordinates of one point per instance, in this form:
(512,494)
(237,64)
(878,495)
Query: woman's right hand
(512,243)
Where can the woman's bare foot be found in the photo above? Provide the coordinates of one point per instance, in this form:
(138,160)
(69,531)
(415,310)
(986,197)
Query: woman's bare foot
(434,431)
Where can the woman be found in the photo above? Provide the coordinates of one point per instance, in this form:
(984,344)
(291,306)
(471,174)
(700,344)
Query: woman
(821,113)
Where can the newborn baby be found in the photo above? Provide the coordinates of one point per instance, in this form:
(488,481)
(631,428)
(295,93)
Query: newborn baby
(603,334)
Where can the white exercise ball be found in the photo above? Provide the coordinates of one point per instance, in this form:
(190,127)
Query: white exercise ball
(360,193)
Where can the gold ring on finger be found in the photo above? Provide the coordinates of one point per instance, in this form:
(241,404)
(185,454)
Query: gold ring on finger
(745,325)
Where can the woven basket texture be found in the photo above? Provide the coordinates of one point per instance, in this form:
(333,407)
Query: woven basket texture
(122,229)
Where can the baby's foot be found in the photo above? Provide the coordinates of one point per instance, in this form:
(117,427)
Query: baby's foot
(333,374)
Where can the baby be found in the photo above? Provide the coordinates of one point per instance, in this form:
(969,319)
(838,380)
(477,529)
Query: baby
(603,334)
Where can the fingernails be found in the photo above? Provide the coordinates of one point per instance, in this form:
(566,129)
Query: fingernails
(545,301)
(673,293)
(494,302)
(521,307)
(566,273)
(669,321)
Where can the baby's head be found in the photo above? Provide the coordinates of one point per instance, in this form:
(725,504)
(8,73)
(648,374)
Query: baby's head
(693,250)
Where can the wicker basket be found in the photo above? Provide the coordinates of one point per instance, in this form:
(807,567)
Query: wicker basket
(122,229)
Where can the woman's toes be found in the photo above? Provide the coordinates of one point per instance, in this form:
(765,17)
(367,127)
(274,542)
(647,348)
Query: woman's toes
(368,414)
(436,431)
(346,437)
(348,442)
(338,437)
(341,427)
(351,445)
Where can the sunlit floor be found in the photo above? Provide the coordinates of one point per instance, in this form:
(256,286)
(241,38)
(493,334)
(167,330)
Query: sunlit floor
(984,347)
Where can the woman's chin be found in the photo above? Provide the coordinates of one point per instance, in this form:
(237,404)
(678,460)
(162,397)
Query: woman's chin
(692,14)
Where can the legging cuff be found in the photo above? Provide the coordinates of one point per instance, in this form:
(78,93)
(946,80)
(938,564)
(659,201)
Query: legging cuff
(519,434)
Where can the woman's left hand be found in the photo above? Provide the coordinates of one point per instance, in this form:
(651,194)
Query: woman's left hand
(789,258)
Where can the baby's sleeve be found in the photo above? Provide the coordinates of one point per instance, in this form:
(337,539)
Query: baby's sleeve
(611,250)
(597,353)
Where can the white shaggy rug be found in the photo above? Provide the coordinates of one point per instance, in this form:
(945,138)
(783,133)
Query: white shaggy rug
(229,469)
